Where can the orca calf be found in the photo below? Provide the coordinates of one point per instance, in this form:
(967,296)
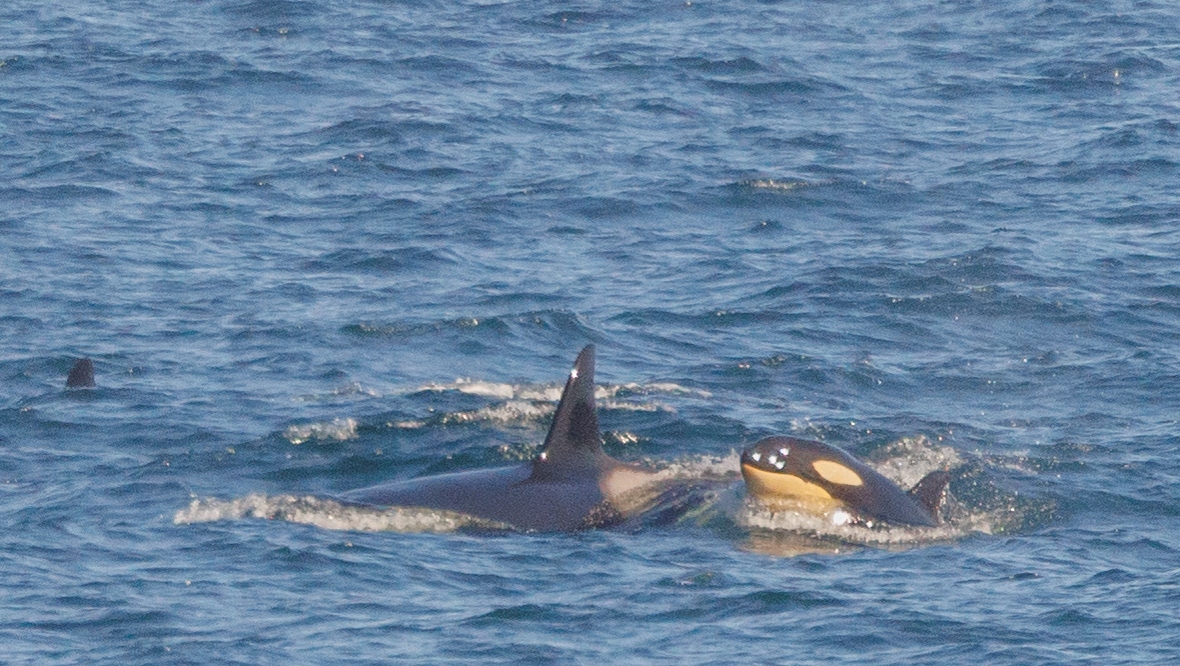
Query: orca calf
(572,484)
(81,375)
(785,472)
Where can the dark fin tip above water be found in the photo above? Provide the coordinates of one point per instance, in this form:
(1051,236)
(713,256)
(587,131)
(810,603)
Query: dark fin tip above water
(931,491)
(574,434)
(81,375)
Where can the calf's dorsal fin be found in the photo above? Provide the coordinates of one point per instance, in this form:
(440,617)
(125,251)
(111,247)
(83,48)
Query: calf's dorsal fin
(931,491)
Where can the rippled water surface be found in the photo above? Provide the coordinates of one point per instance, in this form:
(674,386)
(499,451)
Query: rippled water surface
(317,246)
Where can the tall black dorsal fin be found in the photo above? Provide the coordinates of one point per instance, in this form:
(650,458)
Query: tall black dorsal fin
(81,375)
(574,440)
(931,491)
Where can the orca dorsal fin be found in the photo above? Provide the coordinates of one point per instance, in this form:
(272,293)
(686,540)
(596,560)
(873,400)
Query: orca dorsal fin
(574,441)
(81,375)
(931,491)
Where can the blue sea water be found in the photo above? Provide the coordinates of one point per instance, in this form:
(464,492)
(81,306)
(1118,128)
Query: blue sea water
(316,246)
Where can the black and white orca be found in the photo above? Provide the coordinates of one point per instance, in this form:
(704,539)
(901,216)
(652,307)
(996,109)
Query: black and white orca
(790,473)
(572,484)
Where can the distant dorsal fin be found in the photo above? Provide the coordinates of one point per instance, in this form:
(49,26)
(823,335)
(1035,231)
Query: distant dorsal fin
(81,375)
(931,491)
(574,440)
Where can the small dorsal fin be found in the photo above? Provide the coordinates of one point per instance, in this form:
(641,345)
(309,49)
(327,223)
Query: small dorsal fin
(931,491)
(574,440)
(81,375)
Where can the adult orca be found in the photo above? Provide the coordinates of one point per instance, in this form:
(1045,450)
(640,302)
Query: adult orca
(572,484)
(785,472)
(81,375)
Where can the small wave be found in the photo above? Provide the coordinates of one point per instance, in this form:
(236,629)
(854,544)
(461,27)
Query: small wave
(520,405)
(671,388)
(560,321)
(336,430)
(492,390)
(773,185)
(56,193)
(518,412)
(635,406)
(529,403)
(512,411)
(326,514)
(346,391)
(367,260)
(523,411)
(552,393)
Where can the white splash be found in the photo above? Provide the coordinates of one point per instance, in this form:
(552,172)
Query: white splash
(339,430)
(512,411)
(326,514)
(909,459)
(474,387)
(775,185)
(697,468)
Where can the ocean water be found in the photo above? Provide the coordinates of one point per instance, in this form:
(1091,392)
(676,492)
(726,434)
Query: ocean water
(316,246)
